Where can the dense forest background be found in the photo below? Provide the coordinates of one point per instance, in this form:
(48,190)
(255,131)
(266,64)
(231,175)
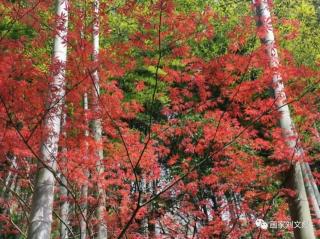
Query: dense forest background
(159,119)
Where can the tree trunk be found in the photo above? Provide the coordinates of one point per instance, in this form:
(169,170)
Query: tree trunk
(42,203)
(11,177)
(145,219)
(97,125)
(84,189)
(299,206)
(311,189)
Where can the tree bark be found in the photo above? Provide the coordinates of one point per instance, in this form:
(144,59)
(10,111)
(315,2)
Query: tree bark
(97,124)
(311,189)
(84,189)
(299,206)
(42,203)
(11,177)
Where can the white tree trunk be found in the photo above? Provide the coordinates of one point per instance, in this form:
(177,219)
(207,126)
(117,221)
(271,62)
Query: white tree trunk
(84,189)
(299,208)
(42,203)
(313,183)
(11,177)
(226,214)
(145,219)
(97,125)
(311,189)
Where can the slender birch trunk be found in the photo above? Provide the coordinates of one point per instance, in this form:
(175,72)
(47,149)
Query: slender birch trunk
(311,189)
(145,219)
(226,214)
(9,184)
(11,177)
(158,229)
(42,203)
(84,189)
(299,206)
(313,183)
(97,124)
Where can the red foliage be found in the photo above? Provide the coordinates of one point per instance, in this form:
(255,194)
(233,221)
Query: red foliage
(206,163)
